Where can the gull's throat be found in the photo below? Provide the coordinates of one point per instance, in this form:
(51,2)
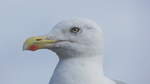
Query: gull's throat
(79,68)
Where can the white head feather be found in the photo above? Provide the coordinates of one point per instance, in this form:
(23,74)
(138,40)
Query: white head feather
(88,40)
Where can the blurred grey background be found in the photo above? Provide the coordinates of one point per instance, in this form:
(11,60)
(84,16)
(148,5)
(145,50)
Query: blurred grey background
(126,25)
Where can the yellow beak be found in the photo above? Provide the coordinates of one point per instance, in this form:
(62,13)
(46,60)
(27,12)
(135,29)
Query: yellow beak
(35,43)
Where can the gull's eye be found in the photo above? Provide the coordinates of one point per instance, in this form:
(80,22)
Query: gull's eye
(75,30)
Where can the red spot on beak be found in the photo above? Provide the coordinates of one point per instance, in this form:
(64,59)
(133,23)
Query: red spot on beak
(33,47)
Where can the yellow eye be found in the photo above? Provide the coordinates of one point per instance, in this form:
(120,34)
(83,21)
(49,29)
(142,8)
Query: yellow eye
(75,30)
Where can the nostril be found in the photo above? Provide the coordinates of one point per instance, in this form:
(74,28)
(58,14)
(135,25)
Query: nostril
(38,39)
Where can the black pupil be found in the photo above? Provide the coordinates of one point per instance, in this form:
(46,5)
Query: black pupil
(75,29)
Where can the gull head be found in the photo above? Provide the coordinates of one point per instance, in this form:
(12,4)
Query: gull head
(70,38)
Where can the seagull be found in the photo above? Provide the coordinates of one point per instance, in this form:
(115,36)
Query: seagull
(79,45)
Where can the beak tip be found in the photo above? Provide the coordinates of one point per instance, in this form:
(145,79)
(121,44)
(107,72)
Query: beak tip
(30,45)
(24,47)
